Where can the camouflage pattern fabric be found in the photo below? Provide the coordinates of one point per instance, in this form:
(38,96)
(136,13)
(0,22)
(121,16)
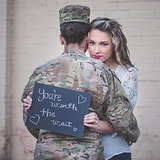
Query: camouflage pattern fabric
(50,148)
(74,70)
(74,13)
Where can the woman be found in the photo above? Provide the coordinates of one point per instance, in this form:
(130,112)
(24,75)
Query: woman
(108,44)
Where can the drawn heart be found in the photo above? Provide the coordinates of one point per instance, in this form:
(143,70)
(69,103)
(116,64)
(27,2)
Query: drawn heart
(75,129)
(81,99)
(35,119)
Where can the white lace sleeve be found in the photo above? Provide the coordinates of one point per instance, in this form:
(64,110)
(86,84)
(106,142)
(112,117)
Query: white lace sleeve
(129,81)
(130,85)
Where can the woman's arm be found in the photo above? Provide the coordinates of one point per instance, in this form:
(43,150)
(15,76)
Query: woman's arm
(130,84)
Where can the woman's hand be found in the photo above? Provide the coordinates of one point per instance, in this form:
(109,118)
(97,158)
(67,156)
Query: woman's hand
(27,102)
(91,120)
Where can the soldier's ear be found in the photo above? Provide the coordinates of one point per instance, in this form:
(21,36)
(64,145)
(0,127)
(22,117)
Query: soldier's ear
(61,39)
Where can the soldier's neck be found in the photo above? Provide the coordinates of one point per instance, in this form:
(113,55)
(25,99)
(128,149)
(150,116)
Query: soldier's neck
(82,46)
(76,46)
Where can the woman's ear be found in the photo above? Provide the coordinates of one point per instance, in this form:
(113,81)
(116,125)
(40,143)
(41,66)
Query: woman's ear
(61,39)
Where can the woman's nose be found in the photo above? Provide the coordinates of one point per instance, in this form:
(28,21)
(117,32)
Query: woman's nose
(97,49)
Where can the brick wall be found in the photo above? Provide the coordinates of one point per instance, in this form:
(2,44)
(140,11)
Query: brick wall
(34,29)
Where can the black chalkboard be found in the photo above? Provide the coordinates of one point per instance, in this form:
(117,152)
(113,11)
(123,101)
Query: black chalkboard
(58,109)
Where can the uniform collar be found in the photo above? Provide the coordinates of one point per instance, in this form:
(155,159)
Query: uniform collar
(74,51)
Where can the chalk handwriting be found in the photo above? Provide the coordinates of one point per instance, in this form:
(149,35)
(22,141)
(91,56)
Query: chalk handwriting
(61,123)
(47,113)
(66,124)
(52,96)
(71,106)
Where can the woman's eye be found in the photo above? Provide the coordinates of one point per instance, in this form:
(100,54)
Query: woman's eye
(91,43)
(104,44)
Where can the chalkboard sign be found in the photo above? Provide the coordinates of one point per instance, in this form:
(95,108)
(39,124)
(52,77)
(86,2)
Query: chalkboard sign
(58,109)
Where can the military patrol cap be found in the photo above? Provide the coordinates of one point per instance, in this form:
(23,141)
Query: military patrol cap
(74,13)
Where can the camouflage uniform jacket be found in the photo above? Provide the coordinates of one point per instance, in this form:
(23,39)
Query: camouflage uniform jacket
(76,71)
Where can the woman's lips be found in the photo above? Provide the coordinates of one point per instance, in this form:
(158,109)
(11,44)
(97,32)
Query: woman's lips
(97,57)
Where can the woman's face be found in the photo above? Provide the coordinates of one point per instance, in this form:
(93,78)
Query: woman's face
(100,46)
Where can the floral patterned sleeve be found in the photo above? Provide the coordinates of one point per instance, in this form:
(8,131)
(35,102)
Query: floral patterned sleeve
(129,81)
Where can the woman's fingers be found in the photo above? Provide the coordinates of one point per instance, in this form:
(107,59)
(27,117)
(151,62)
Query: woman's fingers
(91,119)
(27,108)
(90,125)
(29,98)
(27,103)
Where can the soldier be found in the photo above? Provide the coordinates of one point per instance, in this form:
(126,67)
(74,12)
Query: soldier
(76,71)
